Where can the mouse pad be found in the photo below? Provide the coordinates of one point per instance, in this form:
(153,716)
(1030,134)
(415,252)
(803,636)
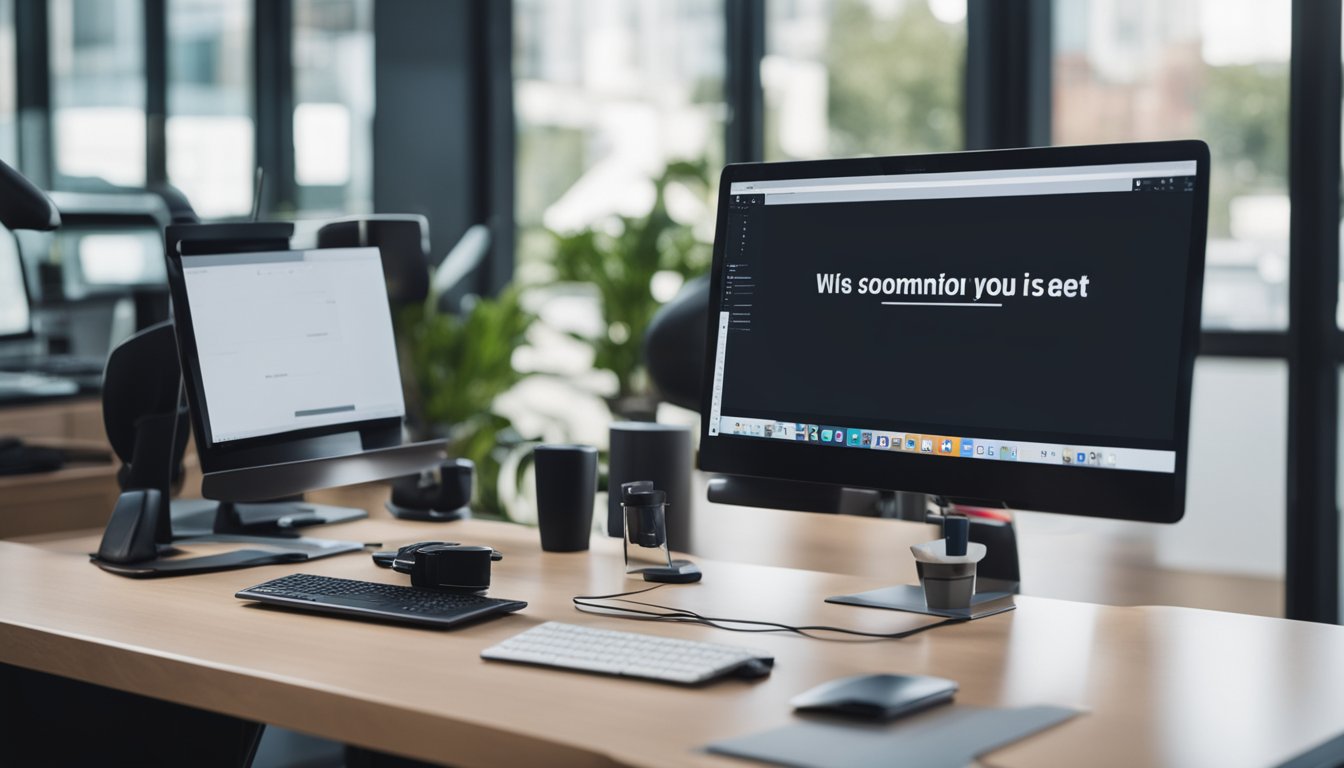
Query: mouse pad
(946,737)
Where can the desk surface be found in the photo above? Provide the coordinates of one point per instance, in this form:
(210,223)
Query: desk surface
(1162,686)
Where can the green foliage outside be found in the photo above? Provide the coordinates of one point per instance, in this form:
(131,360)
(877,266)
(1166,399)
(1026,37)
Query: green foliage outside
(459,365)
(621,266)
(1244,119)
(894,83)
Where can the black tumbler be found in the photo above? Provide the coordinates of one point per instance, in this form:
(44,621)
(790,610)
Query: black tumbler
(566,489)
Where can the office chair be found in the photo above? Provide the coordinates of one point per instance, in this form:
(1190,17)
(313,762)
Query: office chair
(23,205)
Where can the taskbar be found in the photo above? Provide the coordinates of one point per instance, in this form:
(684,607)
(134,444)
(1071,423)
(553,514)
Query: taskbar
(988,449)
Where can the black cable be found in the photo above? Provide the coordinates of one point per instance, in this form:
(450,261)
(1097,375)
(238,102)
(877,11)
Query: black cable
(586,604)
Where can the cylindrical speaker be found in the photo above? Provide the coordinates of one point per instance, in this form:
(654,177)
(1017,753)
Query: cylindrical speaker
(660,453)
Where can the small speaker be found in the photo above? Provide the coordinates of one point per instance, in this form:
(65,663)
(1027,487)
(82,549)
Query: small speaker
(660,453)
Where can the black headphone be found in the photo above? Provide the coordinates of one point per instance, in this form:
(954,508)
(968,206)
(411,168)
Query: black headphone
(445,565)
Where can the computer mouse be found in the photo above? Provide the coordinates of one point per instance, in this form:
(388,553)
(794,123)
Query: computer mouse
(876,697)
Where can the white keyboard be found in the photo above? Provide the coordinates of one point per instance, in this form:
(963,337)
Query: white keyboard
(605,651)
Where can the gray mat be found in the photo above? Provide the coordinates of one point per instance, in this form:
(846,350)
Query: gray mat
(944,737)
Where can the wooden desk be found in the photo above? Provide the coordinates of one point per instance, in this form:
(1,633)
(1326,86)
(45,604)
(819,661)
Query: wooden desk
(1163,686)
(78,496)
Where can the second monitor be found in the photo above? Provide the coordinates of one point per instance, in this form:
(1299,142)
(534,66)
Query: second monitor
(1017,326)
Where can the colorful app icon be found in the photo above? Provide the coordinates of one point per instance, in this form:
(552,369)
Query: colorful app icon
(867,441)
(883,442)
(967,447)
(911,443)
(813,433)
(854,437)
(1080,457)
(1008,452)
(945,446)
(839,437)
(1068,456)
(769,430)
(991,452)
(826,435)
(926,445)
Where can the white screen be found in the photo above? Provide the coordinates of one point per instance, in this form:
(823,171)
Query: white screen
(291,340)
(14,311)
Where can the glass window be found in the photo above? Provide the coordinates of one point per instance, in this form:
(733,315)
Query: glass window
(1141,70)
(9,140)
(863,77)
(333,105)
(606,94)
(98,91)
(210,133)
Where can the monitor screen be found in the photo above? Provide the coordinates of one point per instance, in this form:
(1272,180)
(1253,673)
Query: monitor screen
(122,256)
(292,340)
(15,312)
(958,322)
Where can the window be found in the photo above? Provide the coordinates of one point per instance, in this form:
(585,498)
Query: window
(863,77)
(9,140)
(333,106)
(98,91)
(606,94)
(1134,70)
(210,131)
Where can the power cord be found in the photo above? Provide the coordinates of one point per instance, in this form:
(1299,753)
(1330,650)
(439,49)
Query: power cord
(587,604)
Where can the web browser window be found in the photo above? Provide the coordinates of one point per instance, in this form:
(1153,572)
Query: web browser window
(1008,315)
(292,340)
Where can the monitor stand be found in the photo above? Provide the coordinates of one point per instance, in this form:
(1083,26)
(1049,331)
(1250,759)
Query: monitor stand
(997,578)
(193,518)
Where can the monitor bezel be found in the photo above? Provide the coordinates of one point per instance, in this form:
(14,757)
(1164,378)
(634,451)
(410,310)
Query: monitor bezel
(292,445)
(1094,492)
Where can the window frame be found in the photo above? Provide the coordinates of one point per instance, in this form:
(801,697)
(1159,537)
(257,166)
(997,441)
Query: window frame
(1006,104)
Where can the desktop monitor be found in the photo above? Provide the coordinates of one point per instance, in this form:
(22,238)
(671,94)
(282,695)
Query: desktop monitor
(290,369)
(16,318)
(1016,326)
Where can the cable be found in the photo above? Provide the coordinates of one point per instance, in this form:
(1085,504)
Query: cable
(586,604)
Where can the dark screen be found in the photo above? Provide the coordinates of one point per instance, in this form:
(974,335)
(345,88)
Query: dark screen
(1051,367)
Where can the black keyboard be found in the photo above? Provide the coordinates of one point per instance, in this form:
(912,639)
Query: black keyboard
(371,600)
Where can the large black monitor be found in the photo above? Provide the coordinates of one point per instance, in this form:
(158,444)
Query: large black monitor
(1017,326)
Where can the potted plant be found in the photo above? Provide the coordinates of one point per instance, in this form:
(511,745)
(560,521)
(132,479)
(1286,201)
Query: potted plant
(456,366)
(620,262)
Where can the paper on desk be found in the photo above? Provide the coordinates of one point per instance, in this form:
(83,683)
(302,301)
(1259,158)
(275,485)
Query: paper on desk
(944,737)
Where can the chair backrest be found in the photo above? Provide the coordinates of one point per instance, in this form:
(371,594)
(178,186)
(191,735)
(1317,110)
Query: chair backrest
(674,345)
(23,205)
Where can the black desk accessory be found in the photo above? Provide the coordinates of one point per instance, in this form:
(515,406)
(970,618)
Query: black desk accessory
(19,458)
(647,549)
(383,602)
(445,565)
(566,490)
(440,496)
(876,697)
(662,453)
(130,548)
